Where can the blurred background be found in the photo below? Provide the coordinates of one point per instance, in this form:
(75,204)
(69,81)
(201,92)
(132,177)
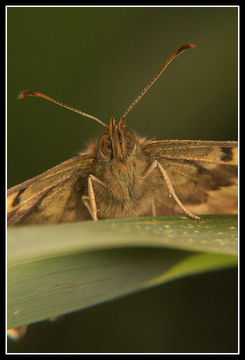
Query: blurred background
(99,59)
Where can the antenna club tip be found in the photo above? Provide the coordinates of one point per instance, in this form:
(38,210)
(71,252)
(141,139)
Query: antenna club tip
(183,48)
(23,94)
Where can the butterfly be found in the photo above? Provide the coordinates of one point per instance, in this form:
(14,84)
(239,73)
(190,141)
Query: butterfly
(121,174)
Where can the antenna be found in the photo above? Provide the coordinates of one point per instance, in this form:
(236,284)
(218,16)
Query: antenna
(23,94)
(172,57)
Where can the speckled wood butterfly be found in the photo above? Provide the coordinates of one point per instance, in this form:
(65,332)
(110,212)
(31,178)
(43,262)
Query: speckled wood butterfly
(123,175)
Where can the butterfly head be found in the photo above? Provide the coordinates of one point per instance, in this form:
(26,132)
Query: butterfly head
(117,143)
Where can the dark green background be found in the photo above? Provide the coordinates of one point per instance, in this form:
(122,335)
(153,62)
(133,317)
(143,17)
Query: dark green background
(99,60)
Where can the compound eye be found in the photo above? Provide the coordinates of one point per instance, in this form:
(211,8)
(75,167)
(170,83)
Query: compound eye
(130,143)
(105,149)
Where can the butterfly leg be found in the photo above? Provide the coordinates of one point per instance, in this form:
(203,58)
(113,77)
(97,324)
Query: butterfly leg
(17,333)
(153,207)
(163,172)
(89,201)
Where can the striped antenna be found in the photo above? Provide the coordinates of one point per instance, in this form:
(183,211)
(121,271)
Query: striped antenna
(172,57)
(23,94)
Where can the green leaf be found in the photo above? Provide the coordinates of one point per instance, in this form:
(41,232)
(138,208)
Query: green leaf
(57,269)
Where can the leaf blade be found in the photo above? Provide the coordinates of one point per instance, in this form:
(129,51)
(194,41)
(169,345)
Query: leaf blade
(63,268)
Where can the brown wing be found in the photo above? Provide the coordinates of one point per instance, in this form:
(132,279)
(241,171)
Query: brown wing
(203,175)
(54,196)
